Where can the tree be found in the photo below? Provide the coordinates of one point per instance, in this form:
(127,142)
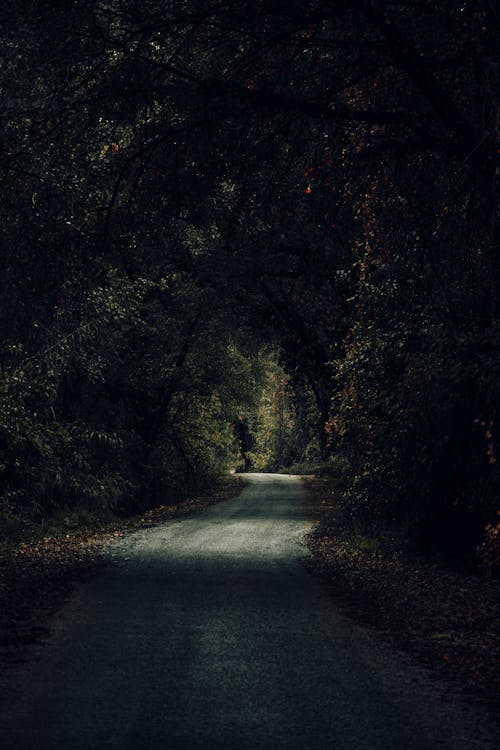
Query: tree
(188,184)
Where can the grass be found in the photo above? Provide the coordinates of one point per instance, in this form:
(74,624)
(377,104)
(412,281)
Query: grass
(68,522)
(15,529)
(328,469)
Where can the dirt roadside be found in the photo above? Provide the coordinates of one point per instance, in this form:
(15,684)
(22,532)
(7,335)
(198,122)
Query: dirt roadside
(37,578)
(449,620)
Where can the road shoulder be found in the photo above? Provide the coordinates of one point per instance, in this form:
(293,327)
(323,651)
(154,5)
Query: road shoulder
(37,578)
(447,619)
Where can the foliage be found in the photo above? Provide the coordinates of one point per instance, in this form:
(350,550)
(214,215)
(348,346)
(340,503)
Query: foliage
(197,192)
(443,617)
(283,425)
(489,549)
(336,468)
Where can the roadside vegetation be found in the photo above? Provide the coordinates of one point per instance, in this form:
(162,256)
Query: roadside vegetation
(41,567)
(444,613)
(284,213)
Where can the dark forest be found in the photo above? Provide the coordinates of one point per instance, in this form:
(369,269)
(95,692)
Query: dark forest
(275,214)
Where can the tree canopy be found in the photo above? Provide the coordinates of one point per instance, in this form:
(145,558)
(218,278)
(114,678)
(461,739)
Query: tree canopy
(200,197)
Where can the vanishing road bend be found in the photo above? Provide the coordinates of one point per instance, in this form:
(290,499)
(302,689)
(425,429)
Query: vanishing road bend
(208,633)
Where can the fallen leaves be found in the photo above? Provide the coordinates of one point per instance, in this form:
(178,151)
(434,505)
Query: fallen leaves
(447,618)
(36,578)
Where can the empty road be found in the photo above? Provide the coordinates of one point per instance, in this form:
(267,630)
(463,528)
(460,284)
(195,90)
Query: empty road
(208,632)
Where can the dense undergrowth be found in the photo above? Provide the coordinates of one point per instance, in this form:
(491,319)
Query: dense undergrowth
(341,520)
(445,616)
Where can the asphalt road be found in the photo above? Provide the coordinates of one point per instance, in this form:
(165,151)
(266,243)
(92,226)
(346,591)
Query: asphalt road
(209,633)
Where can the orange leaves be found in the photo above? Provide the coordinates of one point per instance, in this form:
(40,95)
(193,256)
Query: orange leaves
(309,173)
(489,550)
(490,450)
(318,172)
(107,148)
(488,435)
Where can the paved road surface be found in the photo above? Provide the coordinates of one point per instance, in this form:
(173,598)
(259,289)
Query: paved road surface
(209,633)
